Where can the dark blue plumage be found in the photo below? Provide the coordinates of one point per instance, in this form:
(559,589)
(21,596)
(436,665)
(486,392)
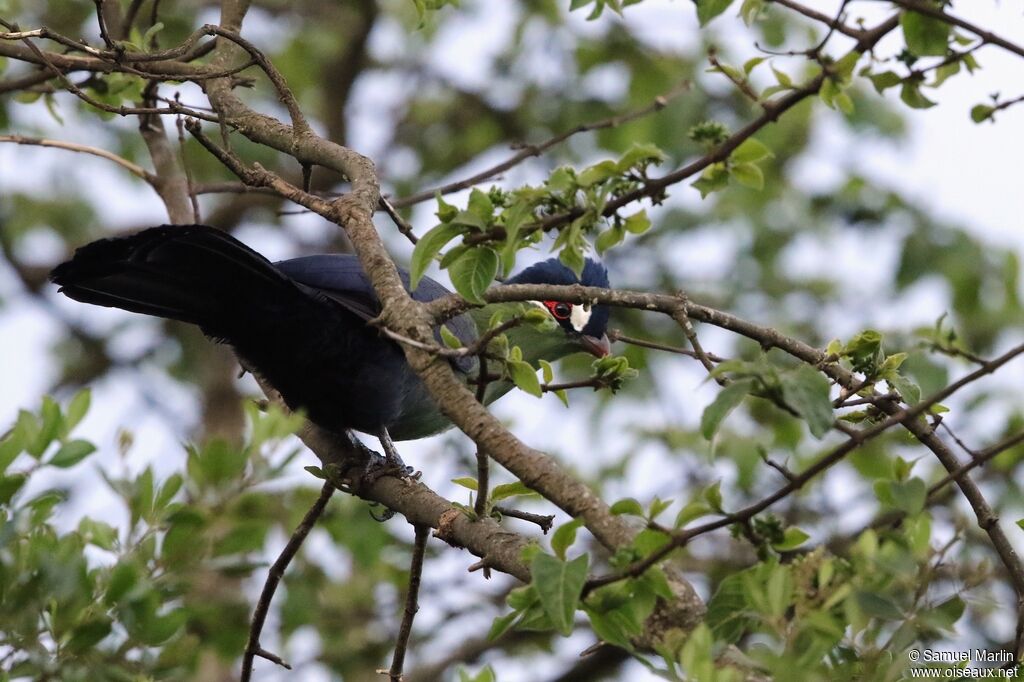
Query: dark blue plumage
(300,323)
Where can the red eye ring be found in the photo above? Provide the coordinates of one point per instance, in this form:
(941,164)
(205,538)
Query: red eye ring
(559,309)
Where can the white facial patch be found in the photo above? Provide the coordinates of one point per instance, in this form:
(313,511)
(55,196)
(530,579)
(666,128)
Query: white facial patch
(579,317)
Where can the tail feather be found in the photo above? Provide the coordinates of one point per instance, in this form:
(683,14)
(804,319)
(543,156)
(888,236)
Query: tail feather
(191,273)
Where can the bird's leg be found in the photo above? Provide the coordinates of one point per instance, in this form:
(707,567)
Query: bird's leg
(391,457)
(365,469)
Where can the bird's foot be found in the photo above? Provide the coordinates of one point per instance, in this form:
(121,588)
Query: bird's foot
(370,467)
(377,467)
(393,459)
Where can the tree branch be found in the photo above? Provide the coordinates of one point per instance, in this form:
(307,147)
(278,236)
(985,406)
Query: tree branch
(274,576)
(411,603)
(528,151)
(132,168)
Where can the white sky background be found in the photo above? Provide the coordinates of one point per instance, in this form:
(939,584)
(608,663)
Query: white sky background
(967,173)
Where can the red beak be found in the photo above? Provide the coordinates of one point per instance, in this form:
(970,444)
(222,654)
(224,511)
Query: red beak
(597,347)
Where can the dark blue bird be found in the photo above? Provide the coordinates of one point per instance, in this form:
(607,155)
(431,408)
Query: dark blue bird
(301,324)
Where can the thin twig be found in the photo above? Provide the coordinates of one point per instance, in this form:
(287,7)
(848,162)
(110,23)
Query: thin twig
(617,335)
(936,12)
(681,537)
(132,168)
(26,36)
(528,151)
(411,602)
(545,521)
(403,226)
(274,576)
(977,459)
(189,181)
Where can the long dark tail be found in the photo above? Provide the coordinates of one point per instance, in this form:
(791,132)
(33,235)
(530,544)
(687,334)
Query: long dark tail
(192,273)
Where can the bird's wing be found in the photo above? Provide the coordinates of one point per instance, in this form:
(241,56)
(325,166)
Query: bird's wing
(340,277)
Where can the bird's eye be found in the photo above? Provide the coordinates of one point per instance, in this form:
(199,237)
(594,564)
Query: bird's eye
(559,309)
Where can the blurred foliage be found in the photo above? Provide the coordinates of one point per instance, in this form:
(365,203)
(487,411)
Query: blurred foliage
(165,584)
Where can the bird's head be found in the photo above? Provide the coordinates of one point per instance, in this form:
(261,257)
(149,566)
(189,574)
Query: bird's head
(580,326)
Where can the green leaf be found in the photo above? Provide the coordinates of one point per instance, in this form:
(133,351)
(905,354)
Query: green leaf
(618,626)
(725,402)
(650,540)
(877,606)
(981,112)
(9,485)
(911,95)
(469,219)
(908,390)
(806,391)
(449,338)
(98,533)
(752,63)
(10,447)
(782,77)
(88,634)
(792,538)
(945,615)
(779,591)
(748,174)
(638,223)
(628,506)
(76,409)
(641,155)
(945,72)
(658,506)
(597,173)
(501,625)
(123,577)
(609,238)
(564,536)
(693,510)
(713,495)
(524,376)
(714,178)
(925,36)
(473,272)
(546,369)
(749,151)
(728,609)
(485,675)
(445,212)
(168,490)
(844,103)
(709,9)
(427,248)
(885,80)
(507,490)
(572,257)
(466,482)
(147,37)
(51,424)
(71,453)
(559,584)
(696,655)
(864,350)
(480,205)
(750,10)
(909,495)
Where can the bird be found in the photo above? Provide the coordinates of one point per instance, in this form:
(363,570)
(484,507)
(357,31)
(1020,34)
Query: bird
(304,325)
